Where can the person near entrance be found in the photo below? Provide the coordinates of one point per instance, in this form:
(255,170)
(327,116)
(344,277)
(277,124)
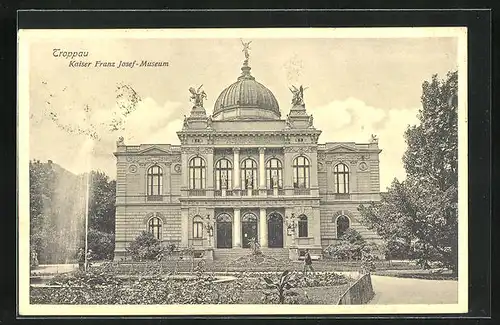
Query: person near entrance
(308,262)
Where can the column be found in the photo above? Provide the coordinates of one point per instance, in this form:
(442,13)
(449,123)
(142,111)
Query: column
(262,169)
(210,171)
(288,171)
(236,228)
(263,228)
(236,168)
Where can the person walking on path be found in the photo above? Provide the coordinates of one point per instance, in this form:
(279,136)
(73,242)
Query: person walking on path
(308,262)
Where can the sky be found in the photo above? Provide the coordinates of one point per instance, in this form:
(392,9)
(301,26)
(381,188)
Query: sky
(356,87)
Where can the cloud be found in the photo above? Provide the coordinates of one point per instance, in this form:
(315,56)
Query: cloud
(352,120)
(149,123)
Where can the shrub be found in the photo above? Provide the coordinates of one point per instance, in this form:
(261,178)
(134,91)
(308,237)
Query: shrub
(349,247)
(285,282)
(144,247)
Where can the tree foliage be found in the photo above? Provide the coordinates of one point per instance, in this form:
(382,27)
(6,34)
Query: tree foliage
(102,203)
(421,212)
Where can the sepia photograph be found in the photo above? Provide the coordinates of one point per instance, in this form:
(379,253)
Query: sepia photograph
(242,171)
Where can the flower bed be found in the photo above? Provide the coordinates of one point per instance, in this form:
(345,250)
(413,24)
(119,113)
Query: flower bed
(99,287)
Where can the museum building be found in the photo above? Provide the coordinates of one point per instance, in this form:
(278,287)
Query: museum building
(245,174)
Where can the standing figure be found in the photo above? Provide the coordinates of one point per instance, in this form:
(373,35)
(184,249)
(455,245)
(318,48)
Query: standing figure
(275,181)
(249,180)
(308,262)
(81,259)
(223,180)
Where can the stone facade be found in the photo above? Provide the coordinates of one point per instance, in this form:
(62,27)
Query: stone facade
(236,177)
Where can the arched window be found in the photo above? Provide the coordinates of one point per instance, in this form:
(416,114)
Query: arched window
(342,225)
(155,180)
(274,173)
(196,173)
(301,172)
(197,228)
(341,176)
(223,173)
(303,226)
(154,227)
(249,173)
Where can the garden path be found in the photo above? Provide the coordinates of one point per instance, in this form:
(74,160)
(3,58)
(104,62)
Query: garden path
(391,290)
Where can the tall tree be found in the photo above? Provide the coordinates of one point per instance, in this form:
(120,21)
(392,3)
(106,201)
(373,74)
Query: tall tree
(102,203)
(421,211)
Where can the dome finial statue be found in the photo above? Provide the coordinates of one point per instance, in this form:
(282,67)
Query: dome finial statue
(246,49)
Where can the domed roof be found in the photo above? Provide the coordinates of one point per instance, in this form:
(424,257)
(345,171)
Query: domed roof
(246,99)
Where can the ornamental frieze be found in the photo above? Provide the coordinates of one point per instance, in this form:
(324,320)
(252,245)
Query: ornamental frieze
(253,140)
(249,203)
(152,159)
(300,149)
(196,150)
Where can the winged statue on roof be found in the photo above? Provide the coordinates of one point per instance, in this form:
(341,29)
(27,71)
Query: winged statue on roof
(197,96)
(298,95)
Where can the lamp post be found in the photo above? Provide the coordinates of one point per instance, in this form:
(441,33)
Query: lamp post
(210,229)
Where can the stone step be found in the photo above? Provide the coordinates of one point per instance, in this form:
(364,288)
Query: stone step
(233,253)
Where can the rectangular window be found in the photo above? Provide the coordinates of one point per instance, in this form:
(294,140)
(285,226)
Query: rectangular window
(303,229)
(197,230)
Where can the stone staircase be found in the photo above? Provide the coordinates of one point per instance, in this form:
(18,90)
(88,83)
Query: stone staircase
(233,253)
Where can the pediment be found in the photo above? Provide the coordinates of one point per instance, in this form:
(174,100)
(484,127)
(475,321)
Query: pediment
(154,150)
(341,148)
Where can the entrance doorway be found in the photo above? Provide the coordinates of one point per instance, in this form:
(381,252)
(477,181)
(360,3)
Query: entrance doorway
(224,230)
(248,229)
(275,230)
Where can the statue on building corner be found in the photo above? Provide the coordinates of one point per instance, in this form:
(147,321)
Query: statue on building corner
(287,122)
(197,96)
(209,122)
(374,139)
(298,95)
(120,141)
(185,123)
(310,121)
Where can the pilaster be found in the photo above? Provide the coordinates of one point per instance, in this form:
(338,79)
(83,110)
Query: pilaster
(263,228)
(237,228)
(236,168)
